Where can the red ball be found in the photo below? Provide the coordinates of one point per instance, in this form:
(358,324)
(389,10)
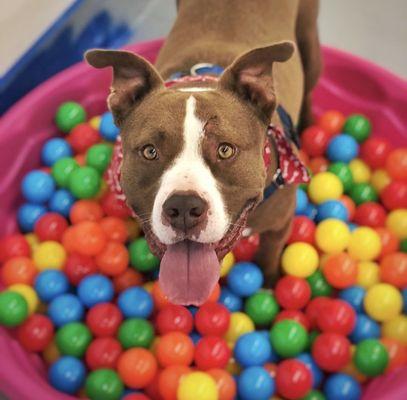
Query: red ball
(15,245)
(292,293)
(114,207)
(314,141)
(36,332)
(212,319)
(370,214)
(174,318)
(374,152)
(336,316)
(295,315)
(394,195)
(78,266)
(211,352)
(50,226)
(103,353)
(331,351)
(104,319)
(246,248)
(313,309)
(82,137)
(136,396)
(293,379)
(302,230)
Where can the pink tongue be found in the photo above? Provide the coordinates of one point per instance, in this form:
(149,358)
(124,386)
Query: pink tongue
(189,272)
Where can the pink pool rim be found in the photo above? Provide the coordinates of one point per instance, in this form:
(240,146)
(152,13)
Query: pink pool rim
(349,84)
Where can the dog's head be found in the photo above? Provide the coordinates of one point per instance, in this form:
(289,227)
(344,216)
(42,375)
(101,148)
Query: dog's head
(192,159)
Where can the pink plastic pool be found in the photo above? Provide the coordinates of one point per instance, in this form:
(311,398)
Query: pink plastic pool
(349,84)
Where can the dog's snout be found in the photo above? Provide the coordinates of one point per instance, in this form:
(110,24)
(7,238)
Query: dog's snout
(185,211)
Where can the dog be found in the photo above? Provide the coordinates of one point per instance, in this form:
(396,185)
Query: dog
(193,166)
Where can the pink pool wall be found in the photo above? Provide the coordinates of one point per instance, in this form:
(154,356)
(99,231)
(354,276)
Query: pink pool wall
(349,84)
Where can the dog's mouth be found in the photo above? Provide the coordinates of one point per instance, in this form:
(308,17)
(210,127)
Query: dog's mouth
(189,270)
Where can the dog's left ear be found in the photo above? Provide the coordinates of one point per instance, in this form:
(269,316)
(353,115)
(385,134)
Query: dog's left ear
(251,77)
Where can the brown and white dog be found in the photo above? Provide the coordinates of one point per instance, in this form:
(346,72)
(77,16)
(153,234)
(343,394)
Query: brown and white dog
(193,169)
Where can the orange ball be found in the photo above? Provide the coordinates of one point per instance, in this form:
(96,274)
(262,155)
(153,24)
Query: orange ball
(215,294)
(332,121)
(389,241)
(340,270)
(80,159)
(18,270)
(126,279)
(225,383)
(113,259)
(349,204)
(68,239)
(175,348)
(137,367)
(114,229)
(85,210)
(89,238)
(318,164)
(169,379)
(393,269)
(160,300)
(396,164)
(397,353)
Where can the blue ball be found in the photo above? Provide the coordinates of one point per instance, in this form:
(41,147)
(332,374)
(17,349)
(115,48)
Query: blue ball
(64,309)
(38,187)
(67,374)
(108,130)
(230,300)
(317,374)
(302,202)
(342,148)
(273,357)
(342,387)
(135,302)
(354,295)
(255,383)
(28,214)
(61,202)
(252,349)
(95,289)
(193,310)
(332,209)
(195,336)
(54,149)
(310,212)
(245,279)
(404,293)
(365,328)
(50,284)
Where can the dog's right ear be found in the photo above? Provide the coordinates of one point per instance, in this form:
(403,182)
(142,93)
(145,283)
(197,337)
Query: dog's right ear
(133,78)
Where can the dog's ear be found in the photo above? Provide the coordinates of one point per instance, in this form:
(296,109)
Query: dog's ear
(251,77)
(133,78)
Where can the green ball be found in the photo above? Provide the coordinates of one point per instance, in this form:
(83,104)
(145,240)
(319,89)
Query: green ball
(371,357)
(62,170)
(319,285)
(98,156)
(362,193)
(141,256)
(311,339)
(403,245)
(69,115)
(358,126)
(84,182)
(13,308)
(104,384)
(343,172)
(314,395)
(136,332)
(262,308)
(73,339)
(288,338)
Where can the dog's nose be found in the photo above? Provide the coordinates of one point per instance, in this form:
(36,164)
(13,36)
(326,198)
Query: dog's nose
(185,211)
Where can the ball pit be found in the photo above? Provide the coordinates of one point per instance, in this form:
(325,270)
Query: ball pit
(119,353)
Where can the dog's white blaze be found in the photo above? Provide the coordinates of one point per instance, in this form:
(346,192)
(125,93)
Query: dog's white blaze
(189,172)
(195,89)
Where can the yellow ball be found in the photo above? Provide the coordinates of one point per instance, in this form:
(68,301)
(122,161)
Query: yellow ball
(397,222)
(227,264)
(240,323)
(32,240)
(49,255)
(380,179)
(396,328)
(197,386)
(332,235)
(368,274)
(300,259)
(360,171)
(383,302)
(364,244)
(324,186)
(28,293)
(94,122)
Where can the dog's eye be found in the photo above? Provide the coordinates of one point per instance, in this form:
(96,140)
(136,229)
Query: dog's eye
(149,152)
(225,151)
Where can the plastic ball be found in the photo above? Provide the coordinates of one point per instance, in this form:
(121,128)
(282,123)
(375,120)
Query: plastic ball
(325,186)
(314,141)
(64,309)
(28,214)
(107,128)
(354,296)
(362,193)
(198,386)
(255,383)
(62,169)
(396,328)
(55,149)
(95,289)
(169,379)
(288,338)
(88,238)
(50,284)
(332,121)
(84,182)
(393,269)
(104,319)
(371,357)
(50,226)
(29,295)
(174,348)
(364,244)
(340,270)
(397,223)
(396,164)
(343,172)
(85,210)
(82,137)
(342,148)
(332,236)
(360,171)
(227,263)
(113,206)
(18,270)
(49,255)
(368,274)
(293,315)
(336,316)
(332,209)
(103,353)
(252,349)
(292,293)
(98,156)
(358,126)
(230,300)
(301,202)
(316,373)
(78,266)
(67,374)
(61,202)
(245,279)
(37,187)
(35,333)
(397,353)
(383,302)
(293,379)
(319,285)
(211,319)
(225,383)
(379,180)
(136,332)
(104,384)
(14,245)
(342,387)
(365,328)
(211,352)
(302,230)
(135,302)
(141,256)
(73,339)
(394,195)
(240,324)
(375,152)
(68,115)
(370,214)
(300,260)
(127,279)
(13,308)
